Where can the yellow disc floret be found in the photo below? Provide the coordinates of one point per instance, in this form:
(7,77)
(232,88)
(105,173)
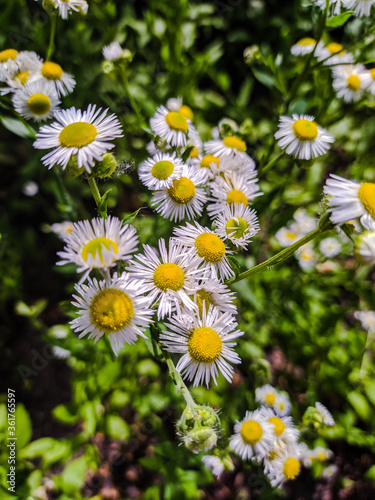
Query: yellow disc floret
(237,228)
(279,425)
(204,345)
(372,71)
(251,432)
(292,468)
(234,142)
(22,77)
(354,83)
(111,310)
(208,159)
(7,54)
(187,112)
(52,71)
(366,194)
(94,248)
(39,104)
(306,41)
(177,121)
(237,196)
(169,277)
(305,130)
(182,190)
(270,398)
(194,153)
(210,246)
(335,48)
(77,135)
(162,169)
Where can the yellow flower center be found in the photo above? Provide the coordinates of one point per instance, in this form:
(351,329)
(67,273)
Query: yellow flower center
(290,235)
(202,296)
(235,143)
(187,112)
(237,228)
(372,71)
(162,169)
(279,425)
(182,190)
(236,196)
(210,246)
(194,153)
(305,130)
(321,456)
(292,468)
(335,48)
(366,194)
(306,41)
(8,54)
(95,248)
(251,432)
(77,135)
(111,309)
(354,83)
(22,77)
(204,345)
(39,104)
(270,398)
(176,121)
(169,277)
(208,159)
(52,71)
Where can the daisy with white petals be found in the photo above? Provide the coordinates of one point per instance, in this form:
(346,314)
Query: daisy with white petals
(303,46)
(37,101)
(282,404)
(176,104)
(53,73)
(168,276)
(362,8)
(302,137)
(349,200)
(214,464)
(206,342)
(98,244)
(159,171)
(266,395)
(238,224)
(330,247)
(334,6)
(210,291)
(350,81)
(21,71)
(286,466)
(67,7)
(253,436)
(172,126)
(333,54)
(112,51)
(229,147)
(185,197)
(364,248)
(116,308)
(284,429)
(325,414)
(82,133)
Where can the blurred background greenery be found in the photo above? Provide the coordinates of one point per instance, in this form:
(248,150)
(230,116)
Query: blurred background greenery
(93,427)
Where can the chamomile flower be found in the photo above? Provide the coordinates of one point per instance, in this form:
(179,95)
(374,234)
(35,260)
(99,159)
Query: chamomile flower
(98,243)
(159,171)
(210,291)
(349,200)
(67,7)
(36,100)
(53,73)
(364,248)
(206,342)
(362,8)
(183,198)
(286,236)
(176,104)
(330,247)
(23,71)
(305,223)
(213,464)
(302,137)
(286,466)
(351,81)
(367,319)
(229,147)
(333,54)
(285,431)
(266,395)
(306,256)
(253,436)
(116,308)
(238,224)
(282,405)
(8,58)
(232,189)
(208,248)
(112,51)
(171,126)
(303,46)
(168,276)
(325,414)
(82,133)
(62,229)
(318,454)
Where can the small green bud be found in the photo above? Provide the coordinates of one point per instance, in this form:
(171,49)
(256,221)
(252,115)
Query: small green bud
(227,126)
(108,67)
(251,54)
(72,167)
(105,167)
(200,440)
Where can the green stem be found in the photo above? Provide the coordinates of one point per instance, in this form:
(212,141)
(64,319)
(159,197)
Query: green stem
(109,347)
(179,383)
(263,170)
(130,96)
(94,190)
(51,45)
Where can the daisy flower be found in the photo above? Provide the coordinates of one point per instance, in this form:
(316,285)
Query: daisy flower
(168,276)
(286,466)
(306,256)
(67,7)
(62,229)
(266,395)
(206,342)
(210,291)
(112,51)
(330,247)
(213,464)
(332,54)
(253,436)
(364,248)
(286,236)
(362,8)
(176,104)
(22,70)
(318,454)
(159,171)
(334,5)
(98,243)
(303,46)
(116,308)
(284,428)
(349,200)
(302,137)
(238,224)
(37,100)
(325,414)
(172,126)
(350,81)
(53,73)
(183,198)
(367,319)
(82,133)
(282,405)
(208,249)
(229,147)
(305,223)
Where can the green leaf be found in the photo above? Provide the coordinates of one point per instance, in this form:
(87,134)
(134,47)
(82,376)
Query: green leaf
(128,219)
(234,264)
(117,428)
(370,391)
(186,153)
(63,414)
(88,413)
(17,127)
(102,207)
(339,20)
(73,476)
(49,449)
(23,423)
(360,405)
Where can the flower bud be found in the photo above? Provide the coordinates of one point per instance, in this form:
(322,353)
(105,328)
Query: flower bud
(105,167)
(202,439)
(72,167)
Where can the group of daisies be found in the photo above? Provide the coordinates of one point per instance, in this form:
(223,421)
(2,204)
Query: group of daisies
(360,8)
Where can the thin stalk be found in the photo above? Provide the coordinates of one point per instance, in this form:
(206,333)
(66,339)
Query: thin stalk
(94,190)
(51,45)
(133,103)
(109,347)
(263,170)
(179,383)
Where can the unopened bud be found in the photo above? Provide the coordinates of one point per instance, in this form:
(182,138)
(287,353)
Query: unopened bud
(202,439)
(72,167)
(105,167)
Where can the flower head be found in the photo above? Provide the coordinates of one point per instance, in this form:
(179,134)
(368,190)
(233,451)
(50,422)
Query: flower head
(37,100)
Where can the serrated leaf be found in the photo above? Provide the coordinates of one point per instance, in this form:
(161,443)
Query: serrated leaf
(339,20)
